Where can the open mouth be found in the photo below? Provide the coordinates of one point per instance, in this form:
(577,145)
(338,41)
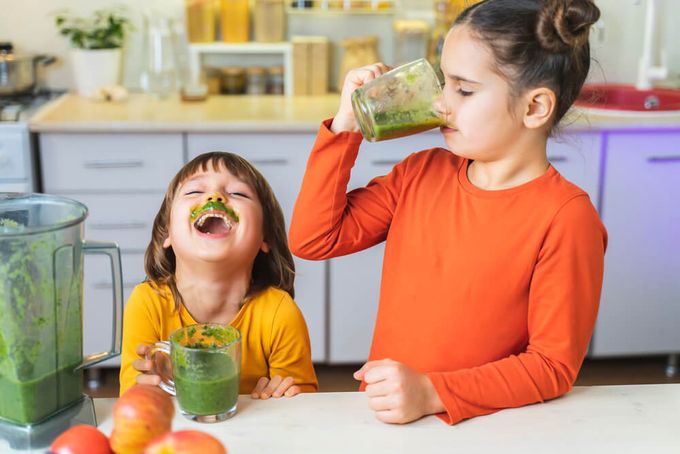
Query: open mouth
(216,223)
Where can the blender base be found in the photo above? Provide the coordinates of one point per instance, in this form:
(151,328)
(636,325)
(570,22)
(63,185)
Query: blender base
(40,435)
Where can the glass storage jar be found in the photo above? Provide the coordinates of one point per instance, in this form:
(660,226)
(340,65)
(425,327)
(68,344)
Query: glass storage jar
(276,86)
(235,21)
(256,80)
(233,80)
(270,21)
(411,38)
(201,20)
(406,100)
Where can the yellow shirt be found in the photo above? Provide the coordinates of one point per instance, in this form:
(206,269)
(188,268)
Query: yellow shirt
(274,337)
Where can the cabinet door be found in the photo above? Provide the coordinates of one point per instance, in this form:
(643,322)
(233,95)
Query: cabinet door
(109,162)
(640,306)
(282,159)
(577,157)
(98,297)
(355,279)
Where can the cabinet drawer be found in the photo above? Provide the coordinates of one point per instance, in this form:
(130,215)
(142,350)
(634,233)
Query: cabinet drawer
(376,159)
(577,158)
(126,219)
(98,297)
(106,162)
(14,152)
(281,158)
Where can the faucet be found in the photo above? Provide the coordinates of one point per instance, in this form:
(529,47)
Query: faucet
(647,72)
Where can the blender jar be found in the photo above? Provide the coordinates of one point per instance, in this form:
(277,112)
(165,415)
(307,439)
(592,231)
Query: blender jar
(41,295)
(403,101)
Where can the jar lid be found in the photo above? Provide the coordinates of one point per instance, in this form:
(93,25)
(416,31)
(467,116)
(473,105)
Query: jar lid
(233,70)
(255,70)
(276,69)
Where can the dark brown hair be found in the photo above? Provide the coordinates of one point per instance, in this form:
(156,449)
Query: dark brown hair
(274,268)
(537,43)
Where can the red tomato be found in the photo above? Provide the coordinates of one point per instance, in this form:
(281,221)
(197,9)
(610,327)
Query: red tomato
(81,439)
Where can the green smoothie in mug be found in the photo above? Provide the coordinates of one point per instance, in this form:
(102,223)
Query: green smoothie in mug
(206,365)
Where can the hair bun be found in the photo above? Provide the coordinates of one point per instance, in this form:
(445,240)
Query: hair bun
(564,25)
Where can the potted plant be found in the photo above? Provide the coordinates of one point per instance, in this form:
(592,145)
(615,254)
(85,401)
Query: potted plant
(96,44)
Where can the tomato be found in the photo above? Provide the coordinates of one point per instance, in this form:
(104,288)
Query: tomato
(81,439)
(142,413)
(185,442)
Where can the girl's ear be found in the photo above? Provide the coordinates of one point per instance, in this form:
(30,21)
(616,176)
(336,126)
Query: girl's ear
(166,243)
(540,105)
(265,247)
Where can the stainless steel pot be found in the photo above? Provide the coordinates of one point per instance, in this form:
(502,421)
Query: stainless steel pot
(18,72)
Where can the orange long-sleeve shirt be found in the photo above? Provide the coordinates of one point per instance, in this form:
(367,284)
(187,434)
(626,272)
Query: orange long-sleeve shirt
(492,294)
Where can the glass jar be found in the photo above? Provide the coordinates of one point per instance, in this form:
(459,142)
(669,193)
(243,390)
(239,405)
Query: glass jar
(403,101)
(270,21)
(235,21)
(233,80)
(276,80)
(213,80)
(411,38)
(256,80)
(201,20)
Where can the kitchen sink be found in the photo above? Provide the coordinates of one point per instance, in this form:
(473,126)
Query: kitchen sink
(613,99)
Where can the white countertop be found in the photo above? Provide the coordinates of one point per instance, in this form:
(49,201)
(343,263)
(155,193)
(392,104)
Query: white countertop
(144,114)
(599,419)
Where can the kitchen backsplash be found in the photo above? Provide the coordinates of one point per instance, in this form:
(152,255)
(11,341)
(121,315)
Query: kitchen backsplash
(616,41)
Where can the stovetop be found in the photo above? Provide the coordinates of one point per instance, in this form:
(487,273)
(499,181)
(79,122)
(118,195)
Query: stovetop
(17,108)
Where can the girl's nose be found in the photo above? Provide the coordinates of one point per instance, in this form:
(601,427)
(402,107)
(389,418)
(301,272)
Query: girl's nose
(216,197)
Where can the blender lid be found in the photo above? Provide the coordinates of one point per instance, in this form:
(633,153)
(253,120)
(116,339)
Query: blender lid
(25,214)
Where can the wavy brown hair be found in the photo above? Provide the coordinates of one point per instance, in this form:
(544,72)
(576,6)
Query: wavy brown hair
(272,269)
(537,43)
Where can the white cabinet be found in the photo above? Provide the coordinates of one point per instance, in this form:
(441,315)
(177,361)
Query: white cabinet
(121,178)
(640,306)
(354,282)
(281,158)
(577,157)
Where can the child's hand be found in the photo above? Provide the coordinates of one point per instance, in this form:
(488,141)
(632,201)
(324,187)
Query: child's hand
(147,367)
(276,387)
(396,393)
(344,120)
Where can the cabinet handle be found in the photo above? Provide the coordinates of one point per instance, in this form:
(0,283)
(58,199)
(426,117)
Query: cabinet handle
(269,161)
(385,162)
(557,158)
(118,225)
(662,159)
(113,164)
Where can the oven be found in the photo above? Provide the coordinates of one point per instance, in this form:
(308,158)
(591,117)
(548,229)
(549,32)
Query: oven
(18,168)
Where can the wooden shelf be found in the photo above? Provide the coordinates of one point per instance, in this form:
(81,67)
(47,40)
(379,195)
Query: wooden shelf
(285,49)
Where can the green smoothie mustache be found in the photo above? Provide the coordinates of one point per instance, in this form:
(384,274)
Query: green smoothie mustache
(213,216)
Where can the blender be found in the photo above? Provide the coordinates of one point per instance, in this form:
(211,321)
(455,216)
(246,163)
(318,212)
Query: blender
(41,327)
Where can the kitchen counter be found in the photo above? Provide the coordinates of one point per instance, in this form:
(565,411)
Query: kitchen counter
(143,113)
(621,419)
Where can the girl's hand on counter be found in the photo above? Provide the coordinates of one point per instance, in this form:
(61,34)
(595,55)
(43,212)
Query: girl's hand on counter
(396,393)
(146,367)
(277,386)
(344,120)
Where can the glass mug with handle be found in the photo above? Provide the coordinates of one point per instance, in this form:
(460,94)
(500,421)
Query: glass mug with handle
(205,370)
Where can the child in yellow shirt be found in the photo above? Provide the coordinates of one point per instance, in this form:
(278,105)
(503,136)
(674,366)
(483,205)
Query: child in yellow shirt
(218,254)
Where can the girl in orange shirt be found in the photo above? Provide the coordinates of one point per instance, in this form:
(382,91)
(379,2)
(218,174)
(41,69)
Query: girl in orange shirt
(493,261)
(218,254)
